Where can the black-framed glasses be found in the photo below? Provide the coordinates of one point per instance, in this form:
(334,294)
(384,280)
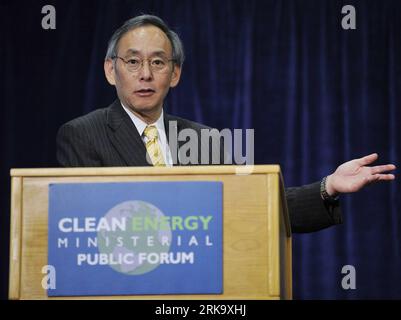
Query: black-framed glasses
(156,64)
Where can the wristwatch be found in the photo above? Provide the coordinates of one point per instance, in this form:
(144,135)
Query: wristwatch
(323,192)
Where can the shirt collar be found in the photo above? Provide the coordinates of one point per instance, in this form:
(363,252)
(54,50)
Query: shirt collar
(141,125)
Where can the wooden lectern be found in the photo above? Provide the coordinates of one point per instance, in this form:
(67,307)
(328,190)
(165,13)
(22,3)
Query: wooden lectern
(256,229)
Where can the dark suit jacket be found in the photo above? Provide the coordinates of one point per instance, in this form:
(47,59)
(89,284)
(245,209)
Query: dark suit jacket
(108,138)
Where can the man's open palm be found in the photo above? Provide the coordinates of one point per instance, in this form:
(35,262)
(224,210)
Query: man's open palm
(353,175)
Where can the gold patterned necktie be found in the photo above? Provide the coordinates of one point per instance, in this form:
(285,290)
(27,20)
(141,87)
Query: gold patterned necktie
(153,147)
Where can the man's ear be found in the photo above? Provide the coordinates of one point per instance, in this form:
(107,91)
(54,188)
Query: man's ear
(175,76)
(109,71)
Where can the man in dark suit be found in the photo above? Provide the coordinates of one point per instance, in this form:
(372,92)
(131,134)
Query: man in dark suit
(143,61)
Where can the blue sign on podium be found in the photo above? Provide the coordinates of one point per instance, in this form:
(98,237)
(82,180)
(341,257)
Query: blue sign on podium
(136,238)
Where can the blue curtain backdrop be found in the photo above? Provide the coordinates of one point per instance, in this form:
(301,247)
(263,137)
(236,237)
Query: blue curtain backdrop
(316,95)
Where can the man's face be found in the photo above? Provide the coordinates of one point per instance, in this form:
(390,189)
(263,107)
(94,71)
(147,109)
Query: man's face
(144,90)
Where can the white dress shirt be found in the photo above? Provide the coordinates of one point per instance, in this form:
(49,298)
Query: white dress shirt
(162,138)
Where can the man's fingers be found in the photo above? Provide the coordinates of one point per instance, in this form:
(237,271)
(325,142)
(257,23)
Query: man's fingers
(382,177)
(383,168)
(368,159)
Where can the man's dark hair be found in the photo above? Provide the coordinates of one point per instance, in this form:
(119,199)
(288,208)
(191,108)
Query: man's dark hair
(145,20)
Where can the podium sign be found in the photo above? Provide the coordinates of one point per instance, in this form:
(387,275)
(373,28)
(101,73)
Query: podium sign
(136,238)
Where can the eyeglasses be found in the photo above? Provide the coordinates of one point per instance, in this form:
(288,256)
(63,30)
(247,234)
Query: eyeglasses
(157,64)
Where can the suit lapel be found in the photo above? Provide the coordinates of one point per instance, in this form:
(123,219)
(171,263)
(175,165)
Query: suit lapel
(125,137)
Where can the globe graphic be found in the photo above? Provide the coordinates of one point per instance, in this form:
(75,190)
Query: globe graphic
(117,243)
